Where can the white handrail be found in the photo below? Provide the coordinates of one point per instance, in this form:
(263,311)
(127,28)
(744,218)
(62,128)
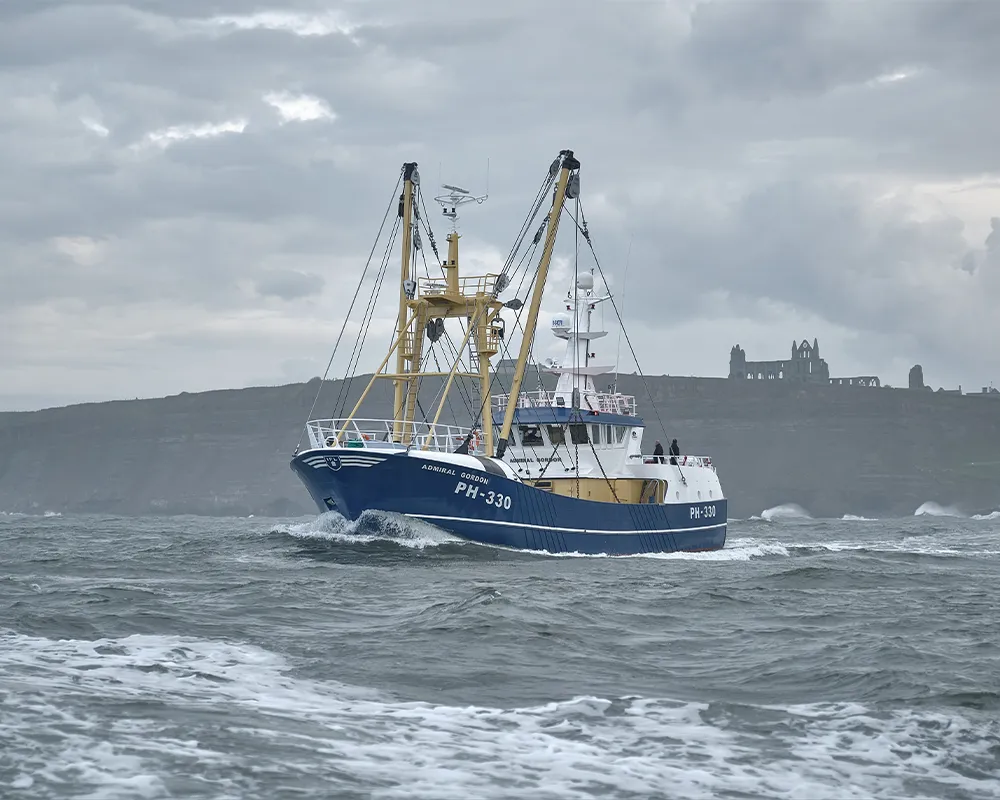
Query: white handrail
(682,461)
(606,402)
(378,434)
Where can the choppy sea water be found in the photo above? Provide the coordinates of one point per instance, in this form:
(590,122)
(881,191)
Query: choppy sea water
(248,658)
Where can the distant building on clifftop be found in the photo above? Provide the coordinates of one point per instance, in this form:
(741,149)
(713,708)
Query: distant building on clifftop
(917,382)
(805,366)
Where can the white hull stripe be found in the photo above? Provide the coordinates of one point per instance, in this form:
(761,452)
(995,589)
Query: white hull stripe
(367,459)
(320,462)
(567,530)
(346,461)
(344,465)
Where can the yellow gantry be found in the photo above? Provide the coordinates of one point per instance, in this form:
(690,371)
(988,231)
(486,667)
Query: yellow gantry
(569,165)
(472,298)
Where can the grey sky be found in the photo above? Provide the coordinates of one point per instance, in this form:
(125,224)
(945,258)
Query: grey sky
(191,188)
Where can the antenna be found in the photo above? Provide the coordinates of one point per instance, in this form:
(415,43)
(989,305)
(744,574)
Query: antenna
(457,196)
(487,176)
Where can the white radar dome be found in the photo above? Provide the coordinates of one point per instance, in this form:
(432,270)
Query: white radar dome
(585,280)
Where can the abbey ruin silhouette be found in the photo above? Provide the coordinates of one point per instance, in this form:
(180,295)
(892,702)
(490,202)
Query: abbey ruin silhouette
(805,366)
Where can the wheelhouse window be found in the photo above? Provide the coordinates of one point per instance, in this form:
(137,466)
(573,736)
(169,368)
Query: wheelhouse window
(557,434)
(596,434)
(531,435)
(620,432)
(578,433)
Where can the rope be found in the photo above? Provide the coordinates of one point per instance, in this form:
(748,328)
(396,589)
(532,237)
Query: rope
(463,390)
(618,347)
(354,360)
(586,235)
(576,451)
(366,322)
(345,387)
(532,215)
(555,451)
(606,478)
(329,364)
(430,233)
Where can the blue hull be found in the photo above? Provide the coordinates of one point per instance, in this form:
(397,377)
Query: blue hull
(494,510)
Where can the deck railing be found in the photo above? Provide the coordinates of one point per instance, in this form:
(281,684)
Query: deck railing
(605,402)
(468,285)
(682,461)
(387,434)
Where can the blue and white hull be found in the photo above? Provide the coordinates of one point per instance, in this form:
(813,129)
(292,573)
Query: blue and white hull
(472,498)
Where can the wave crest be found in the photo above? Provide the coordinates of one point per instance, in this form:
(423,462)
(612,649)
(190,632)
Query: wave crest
(932,509)
(784,511)
(371,527)
(340,738)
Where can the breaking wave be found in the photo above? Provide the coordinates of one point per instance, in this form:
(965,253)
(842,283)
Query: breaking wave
(133,689)
(932,509)
(370,527)
(736,549)
(910,545)
(785,511)
(21,515)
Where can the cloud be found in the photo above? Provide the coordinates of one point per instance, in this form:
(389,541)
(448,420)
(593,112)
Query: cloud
(205,130)
(94,126)
(781,170)
(298,108)
(299,23)
(81,249)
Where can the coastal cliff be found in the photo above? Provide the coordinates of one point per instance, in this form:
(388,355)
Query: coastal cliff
(833,450)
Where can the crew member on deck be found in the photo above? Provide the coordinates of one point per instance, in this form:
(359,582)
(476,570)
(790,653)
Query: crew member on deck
(674,451)
(463,448)
(658,452)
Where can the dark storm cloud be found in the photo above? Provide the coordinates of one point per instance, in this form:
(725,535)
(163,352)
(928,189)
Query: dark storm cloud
(213,158)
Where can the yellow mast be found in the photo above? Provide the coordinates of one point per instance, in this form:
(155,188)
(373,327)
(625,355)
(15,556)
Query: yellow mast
(569,165)
(371,383)
(487,345)
(472,298)
(399,385)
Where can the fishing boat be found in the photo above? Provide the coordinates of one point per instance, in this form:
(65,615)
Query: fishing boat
(561,470)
